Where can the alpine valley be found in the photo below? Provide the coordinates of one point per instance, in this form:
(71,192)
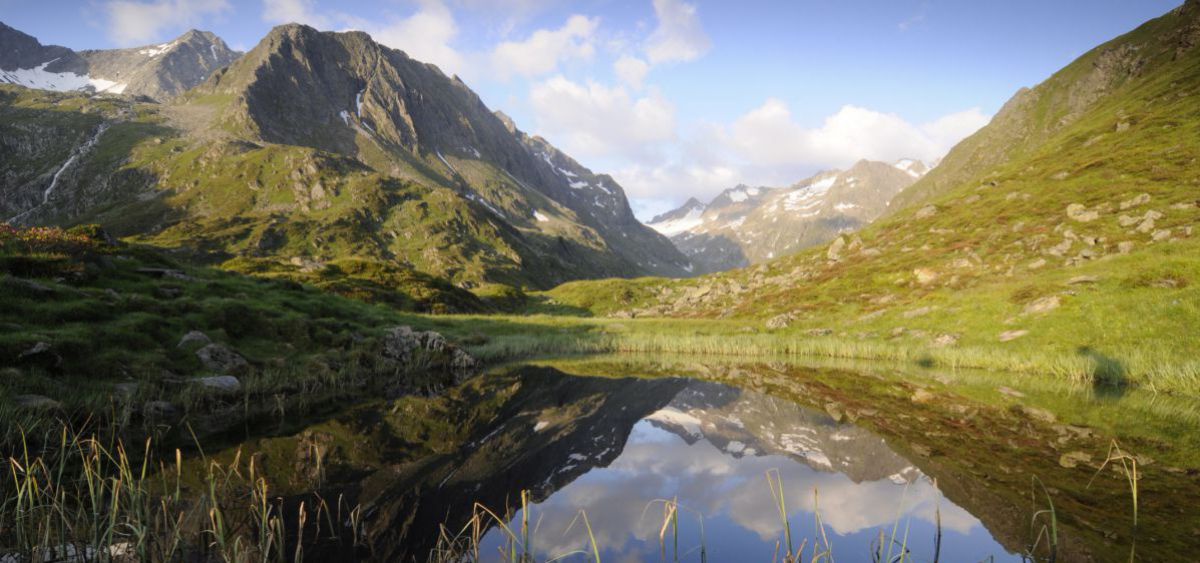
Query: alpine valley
(313,300)
(321,157)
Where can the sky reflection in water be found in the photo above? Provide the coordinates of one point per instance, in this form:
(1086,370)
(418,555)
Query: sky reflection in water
(712,453)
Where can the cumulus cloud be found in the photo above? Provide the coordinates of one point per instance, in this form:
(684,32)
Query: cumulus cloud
(597,120)
(769,136)
(631,70)
(132,22)
(426,35)
(295,11)
(679,36)
(544,49)
(767,146)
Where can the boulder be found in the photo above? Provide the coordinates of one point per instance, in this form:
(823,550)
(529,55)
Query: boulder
(411,350)
(1079,212)
(1035,413)
(925,276)
(1071,460)
(1161,235)
(41,353)
(221,359)
(920,312)
(921,396)
(945,340)
(1148,221)
(36,402)
(1080,280)
(926,212)
(1135,201)
(1125,247)
(223,384)
(835,249)
(160,410)
(1010,335)
(780,321)
(194,338)
(1043,305)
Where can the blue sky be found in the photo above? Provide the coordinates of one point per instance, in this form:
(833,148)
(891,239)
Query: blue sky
(680,98)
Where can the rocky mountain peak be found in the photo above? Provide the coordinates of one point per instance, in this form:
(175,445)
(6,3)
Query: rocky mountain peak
(745,225)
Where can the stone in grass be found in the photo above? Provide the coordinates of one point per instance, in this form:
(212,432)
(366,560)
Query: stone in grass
(1034,413)
(921,396)
(1071,460)
(161,410)
(1079,212)
(225,384)
(194,338)
(1043,305)
(1010,335)
(945,340)
(219,358)
(1140,199)
(36,402)
(1010,392)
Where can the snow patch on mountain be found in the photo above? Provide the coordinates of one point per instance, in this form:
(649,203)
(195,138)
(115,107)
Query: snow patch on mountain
(42,79)
(676,226)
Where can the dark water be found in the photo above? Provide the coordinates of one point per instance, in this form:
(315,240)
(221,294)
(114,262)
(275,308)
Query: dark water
(869,462)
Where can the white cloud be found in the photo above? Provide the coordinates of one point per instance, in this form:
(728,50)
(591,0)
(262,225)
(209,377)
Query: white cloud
(597,120)
(131,22)
(766,146)
(544,49)
(768,136)
(294,11)
(426,35)
(631,70)
(679,36)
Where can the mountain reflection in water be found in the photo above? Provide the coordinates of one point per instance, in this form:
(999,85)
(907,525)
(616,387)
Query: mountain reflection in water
(710,448)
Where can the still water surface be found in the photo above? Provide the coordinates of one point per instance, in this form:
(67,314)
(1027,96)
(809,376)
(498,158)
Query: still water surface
(869,461)
(710,448)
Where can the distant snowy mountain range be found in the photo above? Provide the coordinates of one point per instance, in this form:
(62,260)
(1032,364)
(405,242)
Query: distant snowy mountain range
(746,225)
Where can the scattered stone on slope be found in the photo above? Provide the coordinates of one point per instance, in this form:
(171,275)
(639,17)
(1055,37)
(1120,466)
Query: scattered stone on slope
(219,358)
(1161,235)
(36,402)
(945,340)
(1071,460)
(1148,220)
(1140,199)
(835,249)
(1043,305)
(1035,413)
(224,384)
(925,276)
(1080,280)
(429,351)
(1010,335)
(926,212)
(1125,247)
(1079,212)
(779,322)
(194,338)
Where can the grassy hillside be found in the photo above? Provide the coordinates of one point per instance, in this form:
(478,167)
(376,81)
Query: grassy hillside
(1078,243)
